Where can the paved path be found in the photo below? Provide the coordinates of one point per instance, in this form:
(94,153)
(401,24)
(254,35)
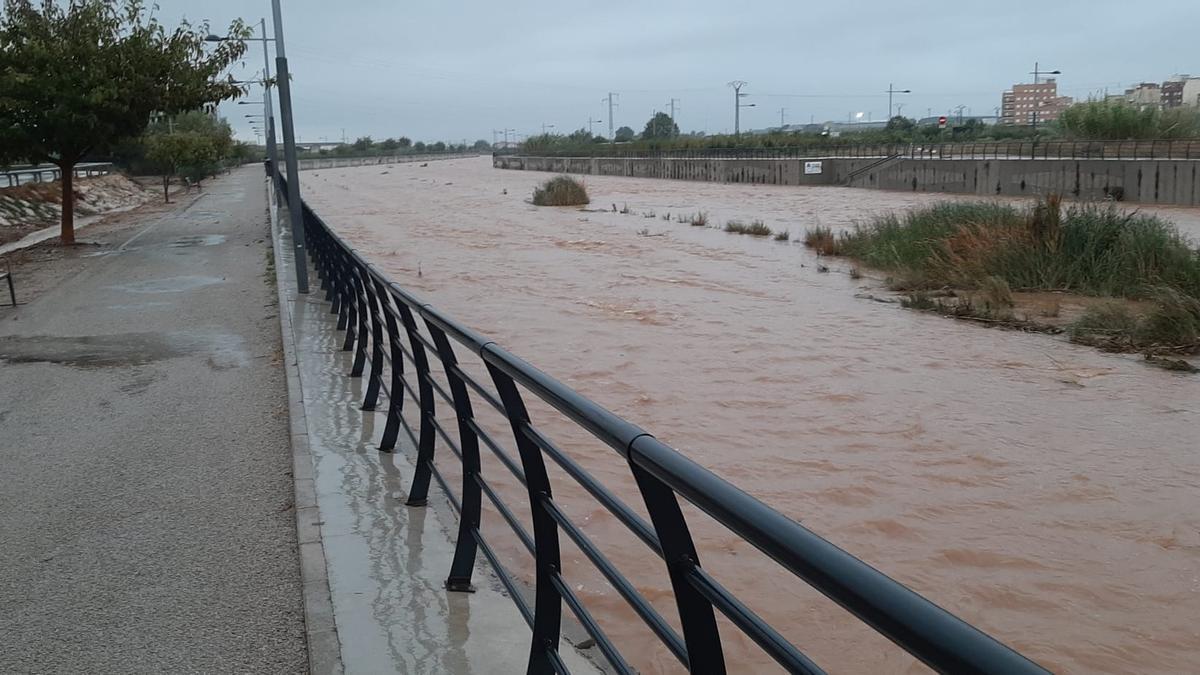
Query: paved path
(146,497)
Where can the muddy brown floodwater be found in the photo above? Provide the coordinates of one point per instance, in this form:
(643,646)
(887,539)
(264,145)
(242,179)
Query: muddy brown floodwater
(1046,492)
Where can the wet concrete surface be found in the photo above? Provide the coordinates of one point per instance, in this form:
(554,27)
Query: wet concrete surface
(146,486)
(387,562)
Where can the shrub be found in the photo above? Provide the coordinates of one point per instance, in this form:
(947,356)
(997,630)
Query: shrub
(700,220)
(822,240)
(560,191)
(783,236)
(758,228)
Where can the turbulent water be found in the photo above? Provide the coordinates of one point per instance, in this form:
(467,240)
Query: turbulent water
(1046,492)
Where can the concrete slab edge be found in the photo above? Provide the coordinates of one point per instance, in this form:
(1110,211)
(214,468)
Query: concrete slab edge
(324,647)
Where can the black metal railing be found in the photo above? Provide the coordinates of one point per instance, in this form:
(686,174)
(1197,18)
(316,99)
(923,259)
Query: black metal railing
(1147,149)
(397,338)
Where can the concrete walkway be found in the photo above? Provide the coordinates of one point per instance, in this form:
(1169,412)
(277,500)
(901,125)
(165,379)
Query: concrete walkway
(146,493)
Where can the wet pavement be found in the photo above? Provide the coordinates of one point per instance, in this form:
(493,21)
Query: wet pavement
(387,562)
(146,486)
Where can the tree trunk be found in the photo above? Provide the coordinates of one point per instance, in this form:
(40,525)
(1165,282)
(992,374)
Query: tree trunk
(68,203)
(167,188)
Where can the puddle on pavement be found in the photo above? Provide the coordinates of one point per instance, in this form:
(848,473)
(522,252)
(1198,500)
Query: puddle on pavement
(198,240)
(122,350)
(168,285)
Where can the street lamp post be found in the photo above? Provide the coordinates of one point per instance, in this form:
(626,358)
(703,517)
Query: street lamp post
(1037,72)
(289,149)
(893,90)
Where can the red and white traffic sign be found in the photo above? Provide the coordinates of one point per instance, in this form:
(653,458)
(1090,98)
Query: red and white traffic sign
(942,122)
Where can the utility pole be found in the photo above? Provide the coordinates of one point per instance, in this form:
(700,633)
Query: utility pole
(289,149)
(781,113)
(545,127)
(672,103)
(1038,72)
(612,138)
(591,122)
(893,90)
(959,109)
(269,110)
(738,105)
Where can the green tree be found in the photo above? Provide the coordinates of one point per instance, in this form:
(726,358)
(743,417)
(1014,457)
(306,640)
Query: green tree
(624,135)
(660,126)
(899,123)
(405,142)
(362,144)
(78,78)
(192,144)
(580,136)
(419,146)
(482,145)
(389,145)
(438,147)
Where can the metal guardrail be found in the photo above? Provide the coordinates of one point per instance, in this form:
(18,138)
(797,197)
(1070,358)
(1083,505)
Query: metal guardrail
(39,174)
(397,339)
(1149,149)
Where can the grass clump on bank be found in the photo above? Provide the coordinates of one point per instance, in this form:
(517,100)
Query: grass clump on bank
(560,191)
(992,250)
(756,228)
(1089,249)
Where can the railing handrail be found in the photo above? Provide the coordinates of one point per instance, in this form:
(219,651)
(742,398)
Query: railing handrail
(357,288)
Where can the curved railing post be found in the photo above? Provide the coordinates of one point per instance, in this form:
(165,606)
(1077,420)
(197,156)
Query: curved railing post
(418,494)
(375,379)
(465,548)
(391,429)
(364,306)
(679,551)
(547,616)
(355,317)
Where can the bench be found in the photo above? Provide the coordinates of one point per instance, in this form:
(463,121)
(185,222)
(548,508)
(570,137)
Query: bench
(6,275)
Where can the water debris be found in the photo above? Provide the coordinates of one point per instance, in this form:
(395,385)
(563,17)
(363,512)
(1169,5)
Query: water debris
(783,236)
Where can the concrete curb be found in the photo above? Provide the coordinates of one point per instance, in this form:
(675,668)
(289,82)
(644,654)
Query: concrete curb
(320,629)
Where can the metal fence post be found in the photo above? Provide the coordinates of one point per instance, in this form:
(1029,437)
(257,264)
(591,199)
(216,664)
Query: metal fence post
(465,547)
(547,617)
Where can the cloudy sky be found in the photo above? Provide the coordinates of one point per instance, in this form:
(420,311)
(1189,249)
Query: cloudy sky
(459,70)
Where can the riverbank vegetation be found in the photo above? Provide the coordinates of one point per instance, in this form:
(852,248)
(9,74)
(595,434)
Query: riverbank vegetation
(967,258)
(561,191)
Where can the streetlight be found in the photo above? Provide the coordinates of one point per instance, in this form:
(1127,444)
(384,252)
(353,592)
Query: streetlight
(289,136)
(738,105)
(893,90)
(1037,72)
(545,127)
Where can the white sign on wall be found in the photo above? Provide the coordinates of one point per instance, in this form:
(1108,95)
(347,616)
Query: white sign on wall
(812,167)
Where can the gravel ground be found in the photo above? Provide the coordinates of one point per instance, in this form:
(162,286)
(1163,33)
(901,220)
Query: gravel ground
(147,492)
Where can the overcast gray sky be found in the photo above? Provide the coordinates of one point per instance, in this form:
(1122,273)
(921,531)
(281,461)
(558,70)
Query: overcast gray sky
(457,70)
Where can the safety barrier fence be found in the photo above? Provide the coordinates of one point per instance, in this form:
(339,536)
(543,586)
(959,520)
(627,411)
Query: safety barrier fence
(399,342)
(1147,149)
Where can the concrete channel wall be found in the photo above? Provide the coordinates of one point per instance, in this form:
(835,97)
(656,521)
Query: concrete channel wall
(1144,181)
(307,164)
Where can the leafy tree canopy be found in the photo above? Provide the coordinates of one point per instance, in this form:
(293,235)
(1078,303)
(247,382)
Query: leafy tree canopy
(624,134)
(79,77)
(659,126)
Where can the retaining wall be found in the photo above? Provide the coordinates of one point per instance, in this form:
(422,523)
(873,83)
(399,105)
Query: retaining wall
(1144,181)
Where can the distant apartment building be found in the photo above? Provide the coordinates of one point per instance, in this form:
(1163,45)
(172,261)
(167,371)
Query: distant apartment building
(1145,95)
(1172,94)
(1027,104)
(1181,91)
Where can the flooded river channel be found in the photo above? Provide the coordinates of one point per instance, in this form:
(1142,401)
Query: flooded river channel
(1046,492)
